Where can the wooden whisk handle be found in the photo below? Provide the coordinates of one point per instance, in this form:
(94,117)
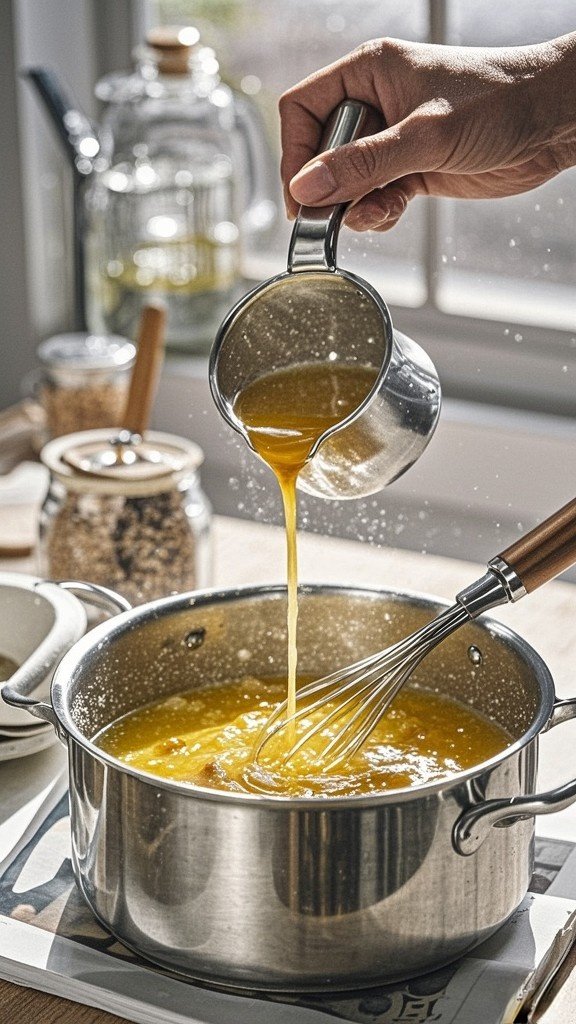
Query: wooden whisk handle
(149,357)
(546,551)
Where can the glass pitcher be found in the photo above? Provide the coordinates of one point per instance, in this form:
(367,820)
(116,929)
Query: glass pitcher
(183,173)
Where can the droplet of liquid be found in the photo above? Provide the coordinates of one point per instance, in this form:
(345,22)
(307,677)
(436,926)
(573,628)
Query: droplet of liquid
(475,655)
(195,638)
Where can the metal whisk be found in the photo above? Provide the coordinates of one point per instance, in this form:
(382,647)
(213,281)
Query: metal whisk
(355,698)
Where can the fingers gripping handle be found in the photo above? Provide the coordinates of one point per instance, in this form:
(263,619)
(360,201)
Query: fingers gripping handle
(315,233)
(546,551)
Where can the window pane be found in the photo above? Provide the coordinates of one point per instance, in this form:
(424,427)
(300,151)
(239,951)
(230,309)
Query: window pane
(510,259)
(264,47)
(514,23)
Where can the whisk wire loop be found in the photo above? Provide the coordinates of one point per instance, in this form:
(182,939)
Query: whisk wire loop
(333,715)
(360,693)
(277,721)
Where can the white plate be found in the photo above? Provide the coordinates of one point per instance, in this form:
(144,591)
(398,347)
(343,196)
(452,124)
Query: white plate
(11,749)
(21,731)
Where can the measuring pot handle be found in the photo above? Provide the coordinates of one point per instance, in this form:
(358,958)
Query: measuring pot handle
(315,233)
(60,639)
(473,826)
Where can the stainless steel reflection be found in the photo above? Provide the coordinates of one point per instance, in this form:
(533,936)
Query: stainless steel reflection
(316,312)
(300,894)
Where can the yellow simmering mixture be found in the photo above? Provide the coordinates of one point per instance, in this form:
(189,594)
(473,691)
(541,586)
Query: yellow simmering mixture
(206,738)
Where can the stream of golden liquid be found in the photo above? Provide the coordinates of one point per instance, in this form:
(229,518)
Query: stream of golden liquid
(284,413)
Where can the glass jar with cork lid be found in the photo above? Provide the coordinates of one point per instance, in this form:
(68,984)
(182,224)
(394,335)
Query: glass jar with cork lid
(83,381)
(138,524)
(185,177)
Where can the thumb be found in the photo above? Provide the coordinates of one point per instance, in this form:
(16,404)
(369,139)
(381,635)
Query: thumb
(350,172)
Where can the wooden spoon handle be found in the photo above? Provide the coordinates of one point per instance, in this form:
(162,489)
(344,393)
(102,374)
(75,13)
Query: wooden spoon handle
(546,551)
(146,371)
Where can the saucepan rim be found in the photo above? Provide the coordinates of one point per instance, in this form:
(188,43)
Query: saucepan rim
(119,624)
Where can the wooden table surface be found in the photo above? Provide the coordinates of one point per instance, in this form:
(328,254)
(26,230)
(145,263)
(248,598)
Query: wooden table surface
(27,1006)
(249,553)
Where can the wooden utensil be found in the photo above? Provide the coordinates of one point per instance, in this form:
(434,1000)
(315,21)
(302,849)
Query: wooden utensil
(127,449)
(146,370)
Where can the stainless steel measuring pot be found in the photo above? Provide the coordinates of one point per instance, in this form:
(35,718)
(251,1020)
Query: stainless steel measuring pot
(315,312)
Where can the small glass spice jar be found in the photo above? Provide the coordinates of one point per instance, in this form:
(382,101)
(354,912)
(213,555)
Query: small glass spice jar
(141,528)
(84,381)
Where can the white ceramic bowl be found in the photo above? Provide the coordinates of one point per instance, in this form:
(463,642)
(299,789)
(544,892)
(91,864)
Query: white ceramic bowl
(39,622)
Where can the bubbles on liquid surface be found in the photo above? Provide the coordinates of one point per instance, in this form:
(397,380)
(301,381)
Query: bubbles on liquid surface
(475,655)
(195,638)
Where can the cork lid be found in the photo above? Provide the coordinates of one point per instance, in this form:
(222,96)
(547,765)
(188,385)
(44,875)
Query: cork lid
(113,462)
(173,46)
(86,352)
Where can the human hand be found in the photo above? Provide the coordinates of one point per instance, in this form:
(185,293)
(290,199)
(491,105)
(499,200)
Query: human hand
(467,122)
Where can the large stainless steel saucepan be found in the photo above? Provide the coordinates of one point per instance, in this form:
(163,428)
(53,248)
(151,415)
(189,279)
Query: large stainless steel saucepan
(302,894)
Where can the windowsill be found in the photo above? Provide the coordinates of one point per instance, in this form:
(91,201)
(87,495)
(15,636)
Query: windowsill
(532,303)
(488,475)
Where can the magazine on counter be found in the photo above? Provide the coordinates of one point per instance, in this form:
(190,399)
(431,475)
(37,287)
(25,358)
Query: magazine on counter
(50,940)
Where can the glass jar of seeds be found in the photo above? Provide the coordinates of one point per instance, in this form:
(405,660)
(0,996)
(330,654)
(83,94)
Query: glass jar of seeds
(84,381)
(135,520)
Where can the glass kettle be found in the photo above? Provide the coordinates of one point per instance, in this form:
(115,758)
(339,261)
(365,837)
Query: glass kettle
(169,185)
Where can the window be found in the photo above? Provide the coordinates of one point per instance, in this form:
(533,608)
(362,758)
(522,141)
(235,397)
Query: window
(78,41)
(520,250)
(489,287)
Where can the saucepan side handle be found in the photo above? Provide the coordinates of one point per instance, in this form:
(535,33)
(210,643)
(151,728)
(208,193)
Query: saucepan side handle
(473,826)
(68,630)
(101,597)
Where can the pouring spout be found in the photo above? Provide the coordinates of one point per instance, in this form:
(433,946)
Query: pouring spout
(75,130)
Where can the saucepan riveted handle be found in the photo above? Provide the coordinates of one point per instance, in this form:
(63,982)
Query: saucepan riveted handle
(68,629)
(315,232)
(473,827)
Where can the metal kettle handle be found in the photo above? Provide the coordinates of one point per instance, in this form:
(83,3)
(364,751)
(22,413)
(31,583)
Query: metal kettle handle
(260,163)
(76,132)
(100,597)
(315,233)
